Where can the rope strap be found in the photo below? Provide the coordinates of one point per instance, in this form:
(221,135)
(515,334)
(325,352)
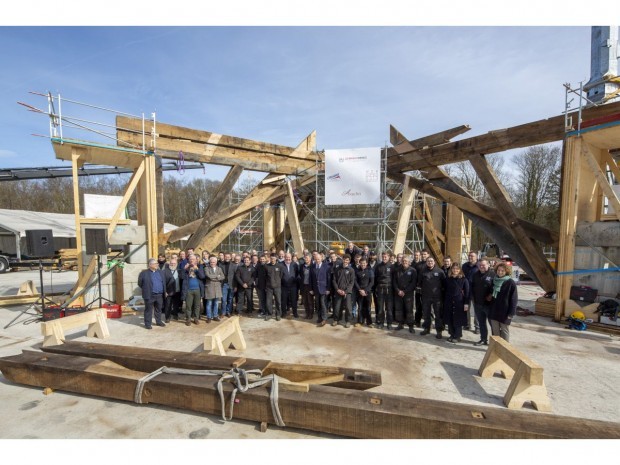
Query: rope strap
(240,379)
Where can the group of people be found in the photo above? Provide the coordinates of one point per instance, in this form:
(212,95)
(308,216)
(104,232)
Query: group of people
(401,290)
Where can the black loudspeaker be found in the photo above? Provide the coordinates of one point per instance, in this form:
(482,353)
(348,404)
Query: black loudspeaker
(96,241)
(40,243)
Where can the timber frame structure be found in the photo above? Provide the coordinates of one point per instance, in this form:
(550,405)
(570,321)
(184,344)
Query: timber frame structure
(413,164)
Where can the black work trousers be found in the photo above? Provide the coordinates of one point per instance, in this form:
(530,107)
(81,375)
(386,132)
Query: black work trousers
(290,295)
(403,309)
(272,294)
(385,305)
(418,308)
(244,299)
(363,308)
(173,306)
(338,302)
(433,308)
(307,300)
(157,304)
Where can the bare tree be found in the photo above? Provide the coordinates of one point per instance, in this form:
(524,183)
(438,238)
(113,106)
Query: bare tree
(537,184)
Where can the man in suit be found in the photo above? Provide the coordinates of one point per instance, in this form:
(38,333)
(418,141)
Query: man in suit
(228,285)
(320,277)
(306,286)
(290,286)
(173,302)
(245,277)
(153,283)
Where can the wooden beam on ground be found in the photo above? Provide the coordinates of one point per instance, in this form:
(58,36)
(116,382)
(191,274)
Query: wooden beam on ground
(219,149)
(525,135)
(216,205)
(402,145)
(293,219)
(404,216)
(129,190)
(601,177)
(149,360)
(360,414)
(535,256)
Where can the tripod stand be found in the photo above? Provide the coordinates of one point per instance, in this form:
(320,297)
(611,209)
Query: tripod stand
(100,298)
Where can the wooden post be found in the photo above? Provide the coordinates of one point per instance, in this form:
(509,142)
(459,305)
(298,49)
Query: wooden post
(568,221)
(587,152)
(293,219)
(129,190)
(159,199)
(498,193)
(215,206)
(279,239)
(404,216)
(457,235)
(75,156)
(269,227)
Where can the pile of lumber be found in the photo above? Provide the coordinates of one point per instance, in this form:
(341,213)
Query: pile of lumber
(342,407)
(545,306)
(68,259)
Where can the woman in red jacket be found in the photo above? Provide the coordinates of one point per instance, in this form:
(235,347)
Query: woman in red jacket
(504,303)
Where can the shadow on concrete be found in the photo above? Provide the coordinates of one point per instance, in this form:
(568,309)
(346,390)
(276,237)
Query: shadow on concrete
(465,381)
(613,350)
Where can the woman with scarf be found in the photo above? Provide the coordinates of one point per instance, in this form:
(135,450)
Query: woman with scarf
(454,306)
(504,301)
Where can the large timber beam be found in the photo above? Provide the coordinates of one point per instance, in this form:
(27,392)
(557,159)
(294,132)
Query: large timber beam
(404,216)
(215,205)
(219,149)
(402,145)
(525,135)
(536,258)
(601,177)
(469,205)
(293,219)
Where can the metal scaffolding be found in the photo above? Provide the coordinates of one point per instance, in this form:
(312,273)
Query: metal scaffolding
(327,227)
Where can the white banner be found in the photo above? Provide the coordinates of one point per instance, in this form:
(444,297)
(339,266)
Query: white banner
(352,176)
(102,206)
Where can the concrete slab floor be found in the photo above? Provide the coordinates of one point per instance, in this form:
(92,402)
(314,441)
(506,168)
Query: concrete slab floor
(581,371)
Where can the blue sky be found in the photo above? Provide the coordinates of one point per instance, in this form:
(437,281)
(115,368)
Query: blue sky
(277,84)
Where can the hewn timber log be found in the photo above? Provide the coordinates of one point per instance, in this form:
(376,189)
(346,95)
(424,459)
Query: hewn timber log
(209,147)
(525,135)
(149,360)
(358,414)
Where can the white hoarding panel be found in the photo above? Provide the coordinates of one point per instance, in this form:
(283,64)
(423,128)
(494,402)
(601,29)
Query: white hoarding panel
(352,176)
(102,206)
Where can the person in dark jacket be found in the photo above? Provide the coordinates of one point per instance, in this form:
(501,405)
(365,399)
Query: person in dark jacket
(431,283)
(455,301)
(469,269)
(229,284)
(273,288)
(320,276)
(245,277)
(405,281)
(504,303)
(290,286)
(261,284)
(343,280)
(419,263)
(482,294)
(193,290)
(173,303)
(153,283)
(364,283)
(307,296)
(384,291)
